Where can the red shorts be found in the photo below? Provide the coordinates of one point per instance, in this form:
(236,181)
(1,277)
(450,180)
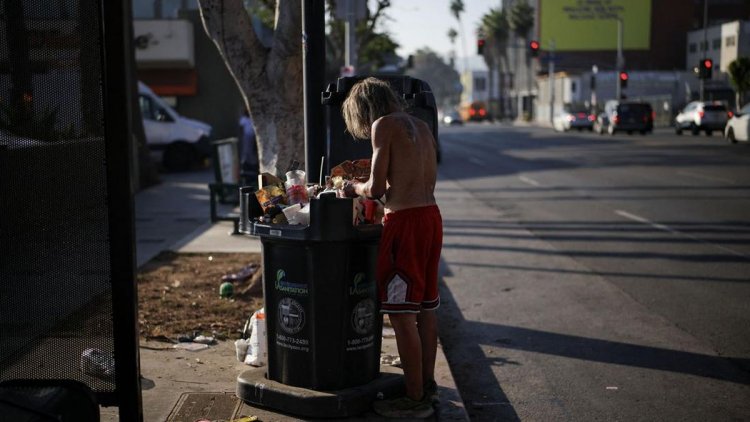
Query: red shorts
(408,259)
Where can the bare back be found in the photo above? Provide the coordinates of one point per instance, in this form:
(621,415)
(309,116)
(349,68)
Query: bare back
(411,158)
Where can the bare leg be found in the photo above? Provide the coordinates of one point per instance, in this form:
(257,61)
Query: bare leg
(410,351)
(427,326)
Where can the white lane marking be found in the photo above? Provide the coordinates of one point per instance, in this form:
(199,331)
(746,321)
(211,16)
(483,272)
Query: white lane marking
(475,161)
(640,219)
(529,181)
(706,177)
(662,227)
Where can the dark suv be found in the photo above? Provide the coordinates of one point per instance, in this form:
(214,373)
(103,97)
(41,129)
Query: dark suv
(625,116)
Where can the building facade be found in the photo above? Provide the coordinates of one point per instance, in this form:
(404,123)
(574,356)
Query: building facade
(178,61)
(721,43)
(654,42)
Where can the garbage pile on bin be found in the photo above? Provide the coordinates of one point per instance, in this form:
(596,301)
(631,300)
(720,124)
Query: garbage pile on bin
(286,202)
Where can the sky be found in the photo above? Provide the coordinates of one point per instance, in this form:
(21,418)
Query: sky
(416,24)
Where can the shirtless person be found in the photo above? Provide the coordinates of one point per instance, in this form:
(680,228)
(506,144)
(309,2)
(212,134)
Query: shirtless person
(404,169)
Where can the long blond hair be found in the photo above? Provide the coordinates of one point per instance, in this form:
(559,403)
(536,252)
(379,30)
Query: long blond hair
(368,100)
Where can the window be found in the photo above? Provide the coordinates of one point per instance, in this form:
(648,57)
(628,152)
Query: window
(147,108)
(161,9)
(480,84)
(691,47)
(573,87)
(730,41)
(704,45)
(716,44)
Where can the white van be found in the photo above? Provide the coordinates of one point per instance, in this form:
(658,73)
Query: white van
(183,141)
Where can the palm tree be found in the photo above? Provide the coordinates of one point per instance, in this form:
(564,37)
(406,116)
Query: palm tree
(521,21)
(739,76)
(452,34)
(457,7)
(494,26)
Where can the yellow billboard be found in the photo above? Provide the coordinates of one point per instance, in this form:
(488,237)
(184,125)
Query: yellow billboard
(574,25)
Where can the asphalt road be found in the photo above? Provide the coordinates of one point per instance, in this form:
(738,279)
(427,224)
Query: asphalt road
(591,277)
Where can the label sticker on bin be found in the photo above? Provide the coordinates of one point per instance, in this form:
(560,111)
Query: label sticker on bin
(291,315)
(363,316)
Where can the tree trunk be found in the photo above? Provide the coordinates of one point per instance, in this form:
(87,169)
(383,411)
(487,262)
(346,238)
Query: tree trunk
(270,80)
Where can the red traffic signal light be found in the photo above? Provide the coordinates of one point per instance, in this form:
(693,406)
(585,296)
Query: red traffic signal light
(534,47)
(623,77)
(705,68)
(480,46)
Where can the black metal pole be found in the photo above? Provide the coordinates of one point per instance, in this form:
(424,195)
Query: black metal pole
(313,71)
(117,63)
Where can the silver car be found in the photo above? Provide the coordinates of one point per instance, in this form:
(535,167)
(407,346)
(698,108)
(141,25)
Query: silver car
(737,126)
(573,118)
(700,116)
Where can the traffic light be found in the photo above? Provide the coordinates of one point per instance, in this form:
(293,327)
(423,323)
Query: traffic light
(623,77)
(705,68)
(534,48)
(480,46)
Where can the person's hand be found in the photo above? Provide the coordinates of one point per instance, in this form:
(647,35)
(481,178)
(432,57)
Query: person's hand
(350,190)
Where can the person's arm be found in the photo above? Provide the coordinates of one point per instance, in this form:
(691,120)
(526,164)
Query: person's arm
(375,187)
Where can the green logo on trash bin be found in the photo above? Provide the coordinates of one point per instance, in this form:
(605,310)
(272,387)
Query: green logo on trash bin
(360,285)
(287,286)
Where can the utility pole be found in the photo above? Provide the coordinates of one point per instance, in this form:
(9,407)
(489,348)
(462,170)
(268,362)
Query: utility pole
(620,59)
(350,11)
(594,71)
(551,81)
(350,35)
(704,47)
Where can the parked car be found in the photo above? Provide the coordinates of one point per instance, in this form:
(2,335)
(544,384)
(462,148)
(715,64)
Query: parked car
(573,118)
(182,141)
(625,116)
(700,116)
(737,126)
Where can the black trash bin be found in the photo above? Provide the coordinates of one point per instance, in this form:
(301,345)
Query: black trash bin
(323,321)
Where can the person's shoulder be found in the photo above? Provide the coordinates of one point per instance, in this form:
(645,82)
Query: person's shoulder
(392,122)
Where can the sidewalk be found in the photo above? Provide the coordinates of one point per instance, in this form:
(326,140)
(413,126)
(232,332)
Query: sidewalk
(174,216)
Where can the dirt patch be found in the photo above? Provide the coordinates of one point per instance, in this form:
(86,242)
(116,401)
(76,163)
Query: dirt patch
(178,294)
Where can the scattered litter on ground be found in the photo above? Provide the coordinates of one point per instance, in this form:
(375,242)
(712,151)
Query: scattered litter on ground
(97,363)
(192,347)
(204,340)
(192,305)
(390,360)
(243,274)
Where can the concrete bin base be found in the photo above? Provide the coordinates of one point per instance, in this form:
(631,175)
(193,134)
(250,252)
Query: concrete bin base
(255,389)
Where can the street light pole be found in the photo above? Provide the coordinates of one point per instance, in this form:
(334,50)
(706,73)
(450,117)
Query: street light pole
(620,59)
(704,47)
(551,81)
(594,71)
(350,36)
